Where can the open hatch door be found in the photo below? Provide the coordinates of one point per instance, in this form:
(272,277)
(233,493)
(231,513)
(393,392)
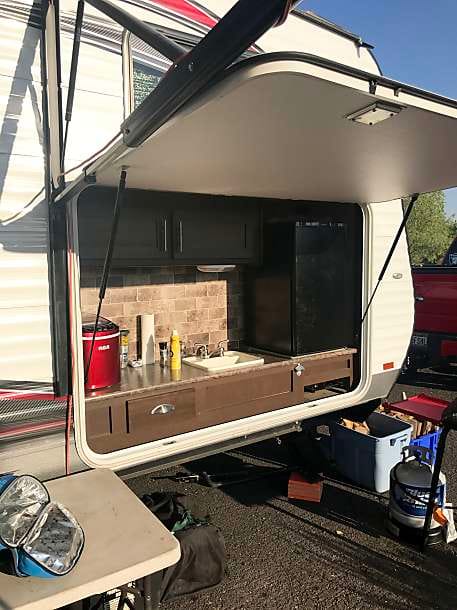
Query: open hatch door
(282,126)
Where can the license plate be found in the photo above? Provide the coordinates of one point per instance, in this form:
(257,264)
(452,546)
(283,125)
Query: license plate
(419,340)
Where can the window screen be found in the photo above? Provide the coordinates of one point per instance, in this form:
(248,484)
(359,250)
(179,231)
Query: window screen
(145,80)
(149,66)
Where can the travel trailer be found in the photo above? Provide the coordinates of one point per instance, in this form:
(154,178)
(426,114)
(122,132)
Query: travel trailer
(257,176)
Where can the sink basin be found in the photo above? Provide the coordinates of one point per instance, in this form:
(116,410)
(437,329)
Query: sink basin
(229,361)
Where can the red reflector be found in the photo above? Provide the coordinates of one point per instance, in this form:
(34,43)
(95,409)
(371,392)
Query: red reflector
(448,348)
(388,365)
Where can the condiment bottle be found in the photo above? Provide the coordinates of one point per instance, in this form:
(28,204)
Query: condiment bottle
(175,351)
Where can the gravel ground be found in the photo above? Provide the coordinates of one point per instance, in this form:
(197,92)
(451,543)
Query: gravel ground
(331,555)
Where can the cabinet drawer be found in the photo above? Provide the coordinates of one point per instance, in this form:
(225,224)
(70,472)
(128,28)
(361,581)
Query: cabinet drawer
(159,416)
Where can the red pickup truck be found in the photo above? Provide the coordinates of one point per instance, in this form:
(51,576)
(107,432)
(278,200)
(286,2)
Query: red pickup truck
(434,340)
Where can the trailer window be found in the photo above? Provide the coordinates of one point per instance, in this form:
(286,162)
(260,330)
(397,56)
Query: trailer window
(149,66)
(145,80)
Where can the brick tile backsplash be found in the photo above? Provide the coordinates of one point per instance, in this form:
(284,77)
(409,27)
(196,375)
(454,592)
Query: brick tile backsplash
(204,308)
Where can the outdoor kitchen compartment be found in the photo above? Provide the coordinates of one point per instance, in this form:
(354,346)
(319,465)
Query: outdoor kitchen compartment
(305,297)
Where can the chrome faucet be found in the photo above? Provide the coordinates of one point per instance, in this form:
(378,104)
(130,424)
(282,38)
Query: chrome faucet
(201,350)
(220,351)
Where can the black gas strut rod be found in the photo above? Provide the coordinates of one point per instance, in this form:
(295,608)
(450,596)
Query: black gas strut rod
(72,80)
(409,209)
(141,30)
(222,45)
(108,259)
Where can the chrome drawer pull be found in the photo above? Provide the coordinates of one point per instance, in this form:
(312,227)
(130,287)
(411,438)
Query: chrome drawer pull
(299,369)
(162,409)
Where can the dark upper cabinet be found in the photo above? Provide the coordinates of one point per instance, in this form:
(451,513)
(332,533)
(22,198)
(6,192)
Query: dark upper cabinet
(157,228)
(144,230)
(209,229)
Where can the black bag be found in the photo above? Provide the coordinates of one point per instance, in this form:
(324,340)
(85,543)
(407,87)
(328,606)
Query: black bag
(203,557)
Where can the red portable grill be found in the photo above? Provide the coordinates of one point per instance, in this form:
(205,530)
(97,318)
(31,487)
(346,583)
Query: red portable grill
(104,369)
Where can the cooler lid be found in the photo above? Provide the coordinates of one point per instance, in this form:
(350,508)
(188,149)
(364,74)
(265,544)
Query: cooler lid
(103,325)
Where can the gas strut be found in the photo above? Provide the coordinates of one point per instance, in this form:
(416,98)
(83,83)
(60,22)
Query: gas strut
(409,209)
(108,259)
(72,80)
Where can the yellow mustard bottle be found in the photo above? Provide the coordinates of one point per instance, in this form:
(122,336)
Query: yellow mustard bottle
(175,349)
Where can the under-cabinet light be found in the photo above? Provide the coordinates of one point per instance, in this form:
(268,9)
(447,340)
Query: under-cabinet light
(375,113)
(215,268)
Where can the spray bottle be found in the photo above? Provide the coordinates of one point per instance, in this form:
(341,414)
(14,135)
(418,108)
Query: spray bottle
(175,351)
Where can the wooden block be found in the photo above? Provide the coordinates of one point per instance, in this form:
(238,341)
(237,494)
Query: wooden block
(347,423)
(301,489)
(361,428)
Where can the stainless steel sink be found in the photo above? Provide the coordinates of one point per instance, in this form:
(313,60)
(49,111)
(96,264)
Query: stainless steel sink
(230,360)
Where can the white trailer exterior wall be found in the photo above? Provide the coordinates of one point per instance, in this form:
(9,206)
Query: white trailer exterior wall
(25,340)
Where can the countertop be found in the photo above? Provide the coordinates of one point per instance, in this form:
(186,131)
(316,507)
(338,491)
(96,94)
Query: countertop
(152,377)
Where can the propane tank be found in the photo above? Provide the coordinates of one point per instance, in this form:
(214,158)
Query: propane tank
(410,482)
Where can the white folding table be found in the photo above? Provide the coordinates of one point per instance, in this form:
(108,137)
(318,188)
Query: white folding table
(124,542)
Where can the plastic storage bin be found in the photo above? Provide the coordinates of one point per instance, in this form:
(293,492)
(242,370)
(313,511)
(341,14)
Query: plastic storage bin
(428,440)
(368,459)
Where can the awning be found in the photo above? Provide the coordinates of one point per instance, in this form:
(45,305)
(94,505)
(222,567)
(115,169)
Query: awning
(278,127)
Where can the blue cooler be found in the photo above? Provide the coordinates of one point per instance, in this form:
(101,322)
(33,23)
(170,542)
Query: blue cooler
(367,459)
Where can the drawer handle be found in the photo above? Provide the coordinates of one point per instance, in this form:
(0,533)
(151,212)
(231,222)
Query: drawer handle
(180,235)
(162,409)
(165,244)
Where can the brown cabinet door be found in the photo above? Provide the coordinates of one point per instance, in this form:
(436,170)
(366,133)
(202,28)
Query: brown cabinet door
(249,394)
(105,424)
(211,229)
(324,370)
(236,390)
(160,416)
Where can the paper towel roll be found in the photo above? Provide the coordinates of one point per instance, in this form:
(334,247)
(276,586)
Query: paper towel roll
(147,338)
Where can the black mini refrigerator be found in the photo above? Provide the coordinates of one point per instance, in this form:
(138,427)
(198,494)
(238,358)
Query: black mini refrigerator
(305,297)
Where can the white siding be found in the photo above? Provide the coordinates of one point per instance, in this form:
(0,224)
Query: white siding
(98,103)
(25,340)
(392,311)
(25,327)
